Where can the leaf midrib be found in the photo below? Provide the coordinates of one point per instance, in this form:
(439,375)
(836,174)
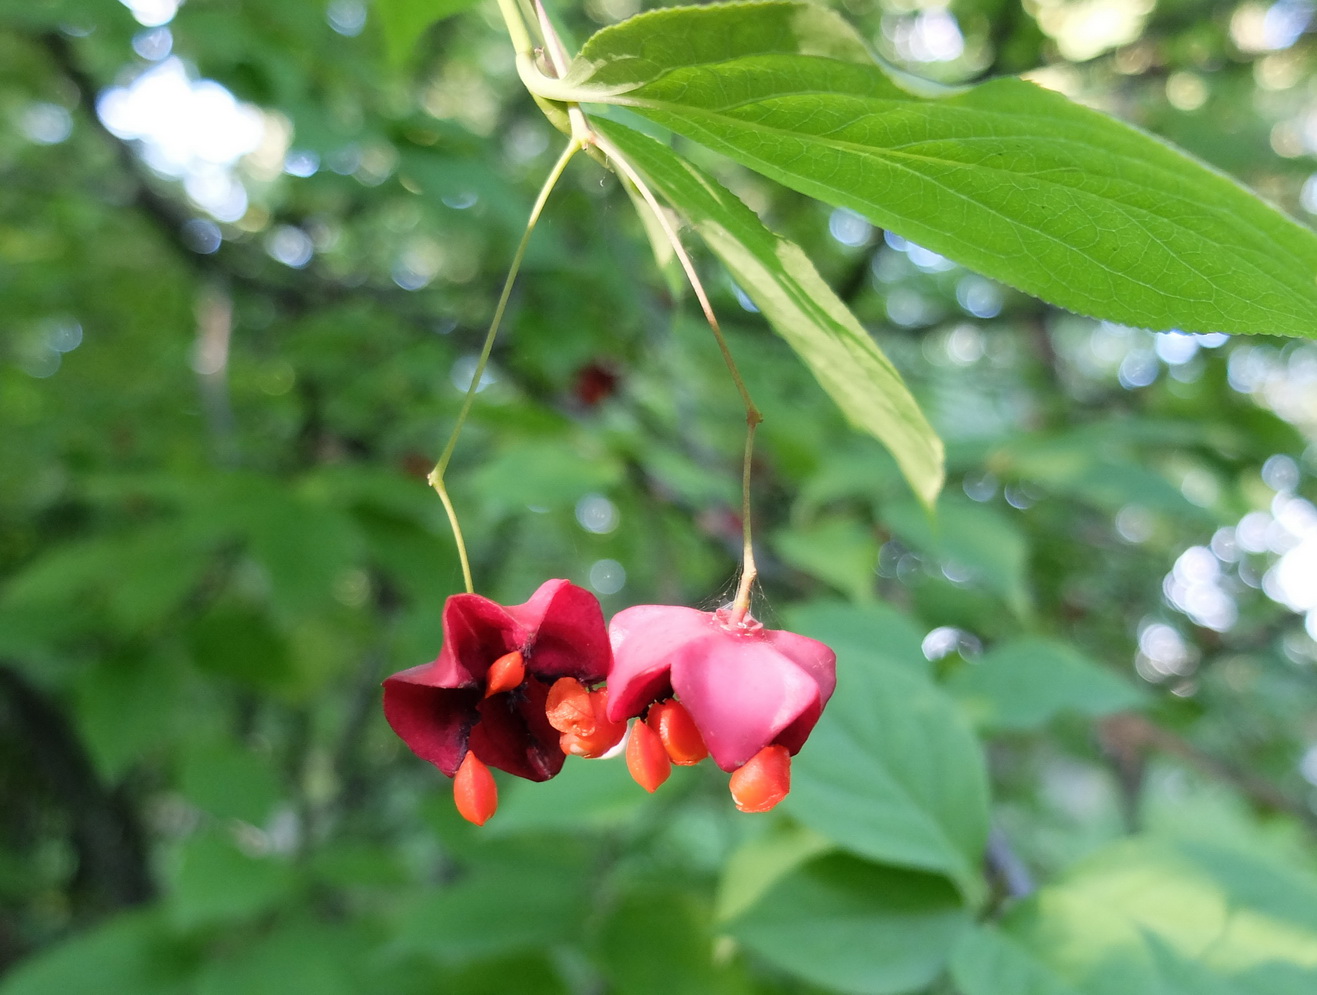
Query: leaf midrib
(1078,145)
(867,151)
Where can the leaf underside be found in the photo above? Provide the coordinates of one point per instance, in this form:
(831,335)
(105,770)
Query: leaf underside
(799,305)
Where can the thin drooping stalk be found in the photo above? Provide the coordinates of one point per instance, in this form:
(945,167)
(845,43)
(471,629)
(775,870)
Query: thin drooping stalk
(741,603)
(583,136)
(436,477)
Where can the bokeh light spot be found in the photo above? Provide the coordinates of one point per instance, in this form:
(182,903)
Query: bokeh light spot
(607,576)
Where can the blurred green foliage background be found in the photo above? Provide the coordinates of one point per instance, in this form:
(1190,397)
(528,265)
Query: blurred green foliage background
(247,253)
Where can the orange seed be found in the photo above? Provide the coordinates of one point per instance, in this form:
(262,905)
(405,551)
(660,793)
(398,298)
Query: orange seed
(474,790)
(505,673)
(582,718)
(763,780)
(568,707)
(677,730)
(646,757)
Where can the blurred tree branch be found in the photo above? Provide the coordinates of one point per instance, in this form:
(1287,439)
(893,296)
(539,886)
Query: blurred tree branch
(1129,737)
(105,833)
(230,263)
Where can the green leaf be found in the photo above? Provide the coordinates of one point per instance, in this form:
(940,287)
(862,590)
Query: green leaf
(799,305)
(127,710)
(1149,915)
(837,550)
(1101,464)
(1114,484)
(301,957)
(987,961)
(235,641)
(893,773)
(403,22)
(214,882)
(29,635)
(407,554)
(128,953)
(972,538)
(228,781)
(628,55)
(586,795)
(498,976)
(1011,180)
(140,576)
(304,545)
(851,472)
(861,631)
(1024,683)
(514,905)
(758,863)
(665,257)
(658,941)
(855,926)
(543,472)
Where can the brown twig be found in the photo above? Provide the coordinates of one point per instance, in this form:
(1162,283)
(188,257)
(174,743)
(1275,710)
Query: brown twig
(1129,737)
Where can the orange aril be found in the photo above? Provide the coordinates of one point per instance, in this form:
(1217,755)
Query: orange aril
(763,780)
(474,790)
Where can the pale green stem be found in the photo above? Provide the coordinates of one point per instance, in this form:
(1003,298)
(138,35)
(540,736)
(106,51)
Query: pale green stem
(553,46)
(436,477)
(515,21)
(741,603)
(558,62)
(555,57)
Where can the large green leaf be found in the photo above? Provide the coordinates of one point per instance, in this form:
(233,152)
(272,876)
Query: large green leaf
(213,882)
(1005,177)
(512,905)
(628,55)
(799,305)
(761,861)
(861,631)
(893,773)
(403,22)
(298,956)
(588,795)
(226,780)
(1184,918)
(130,952)
(987,961)
(302,541)
(974,539)
(127,709)
(836,549)
(543,472)
(1023,683)
(139,576)
(658,940)
(855,926)
(1106,463)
